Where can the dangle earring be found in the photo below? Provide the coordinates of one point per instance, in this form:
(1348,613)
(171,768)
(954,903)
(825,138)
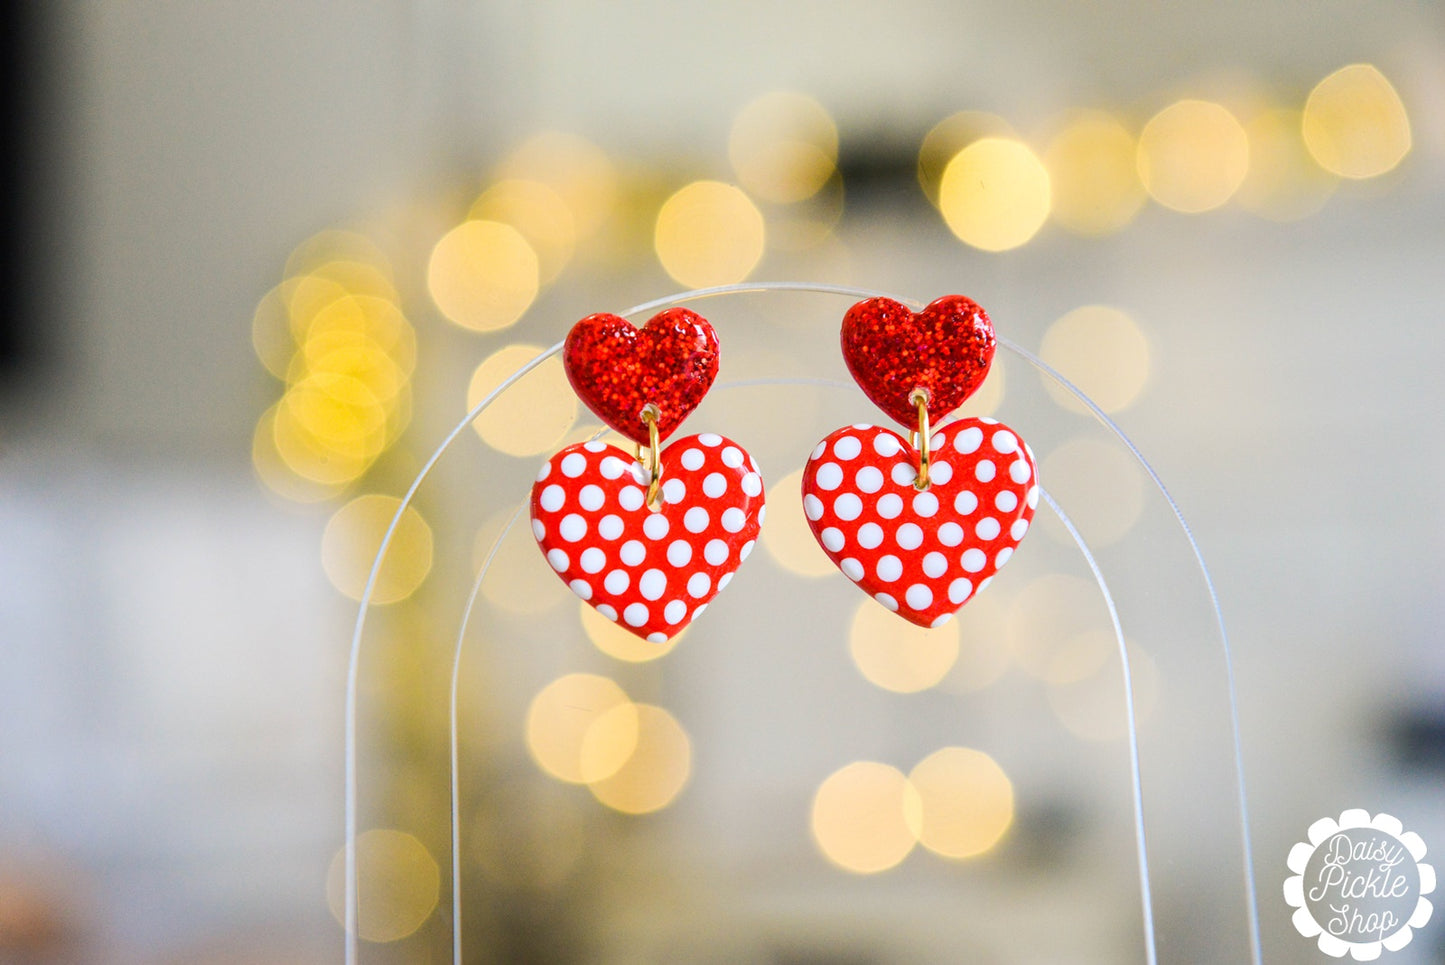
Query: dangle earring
(647,538)
(923,525)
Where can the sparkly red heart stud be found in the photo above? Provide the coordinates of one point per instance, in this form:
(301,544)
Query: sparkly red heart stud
(618,370)
(945,350)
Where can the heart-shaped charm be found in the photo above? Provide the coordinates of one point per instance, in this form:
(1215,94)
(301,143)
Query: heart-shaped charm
(653,570)
(617,370)
(945,349)
(921,553)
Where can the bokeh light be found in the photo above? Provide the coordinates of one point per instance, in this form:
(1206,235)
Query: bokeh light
(1193,155)
(274,472)
(949,136)
(786,536)
(335,244)
(1093,175)
(534,413)
(1102,351)
(967,802)
(271,332)
(709,233)
(983,645)
(539,214)
(352,537)
(1099,485)
(896,655)
(783,147)
(866,817)
(1048,611)
(1086,686)
(1355,124)
(398,885)
(622,644)
(987,397)
(576,169)
(1284,182)
(995,194)
(483,275)
(560,723)
(655,772)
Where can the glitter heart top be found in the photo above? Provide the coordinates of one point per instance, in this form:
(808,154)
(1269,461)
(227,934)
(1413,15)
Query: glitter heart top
(617,370)
(945,349)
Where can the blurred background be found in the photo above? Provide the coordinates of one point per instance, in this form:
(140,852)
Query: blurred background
(262,257)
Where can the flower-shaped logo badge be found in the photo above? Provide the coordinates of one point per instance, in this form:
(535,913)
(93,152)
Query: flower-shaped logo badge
(1359,885)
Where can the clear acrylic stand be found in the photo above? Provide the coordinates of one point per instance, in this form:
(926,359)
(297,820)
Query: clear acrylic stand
(1179,799)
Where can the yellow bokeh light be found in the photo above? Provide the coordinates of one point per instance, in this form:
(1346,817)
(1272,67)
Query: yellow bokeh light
(534,413)
(657,769)
(575,168)
(1193,155)
(866,817)
(354,534)
(1355,124)
(561,717)
(539,214)
(1099,485)
(519,579)
(307,296)
(806,227)
(483,275)
(271,332)
(967,802)
(366,317)
(947,138)
(1086,686)
(1046,613)
(274,472)
(398,884)
(983,646)
(786,536)
(358,278)
(1102,351)
(709,233)
(1094,176)
(329,428)
(896,655)
(1284,183)
(620,643)
(335,244)
(995,194)
(783,147)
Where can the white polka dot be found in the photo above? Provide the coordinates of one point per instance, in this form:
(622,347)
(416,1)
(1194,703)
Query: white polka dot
(734,519)
(545,471)
(732,457)
(934,565)
(919,597)
(593,559)
(673,490)
(639,475)
(861,425)
(710,439)
(655,526)
(674,612)
(746,550)
(1033,497)
(903,474)
(937,441)
(987,421)
(1006,501)
(559,560)
(973,560)
(635,615)
(889,568)
(940,621)
(1003,556)
(609,527)
(617,582)
(679,553)
(985,470)
(631,498)
(819,449)
(582,588)
(1018,529)
(925,504)
(852,569)
(950,534)
(940,472)
(909,536)
(869,479)
(590,498)
(890,506)
(847,447)
(813,507)
(959,590)
(752,484)
(692,460)
(715,552)
(695,519)
(538,530)
(595,446)
(653,584)
(987,528)
(632,553)
(698,612)
(870,535)
(964,503)
(762,514)
(607,611)
(886,444)
(832,539)
(984,585)
(658,637)
(1018,471)
(829,476)
(573,464)
(968,440)
(847,506)
(612,467)
(714,485)
(1004,441)
(887,600)
(698,584)
(552,498)
(573,527)
(723,581)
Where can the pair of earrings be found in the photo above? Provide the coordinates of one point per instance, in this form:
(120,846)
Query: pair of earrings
(921,524)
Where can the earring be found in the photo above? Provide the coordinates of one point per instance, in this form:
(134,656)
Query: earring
(923,525)
(647,538)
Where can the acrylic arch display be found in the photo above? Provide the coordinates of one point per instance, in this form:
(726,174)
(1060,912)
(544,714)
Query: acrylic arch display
(1186,792)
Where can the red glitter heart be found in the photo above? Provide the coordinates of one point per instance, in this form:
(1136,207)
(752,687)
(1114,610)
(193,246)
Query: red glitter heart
(617,370)
(945,349)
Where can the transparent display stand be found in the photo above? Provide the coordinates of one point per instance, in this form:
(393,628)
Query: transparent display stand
(1153,817)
